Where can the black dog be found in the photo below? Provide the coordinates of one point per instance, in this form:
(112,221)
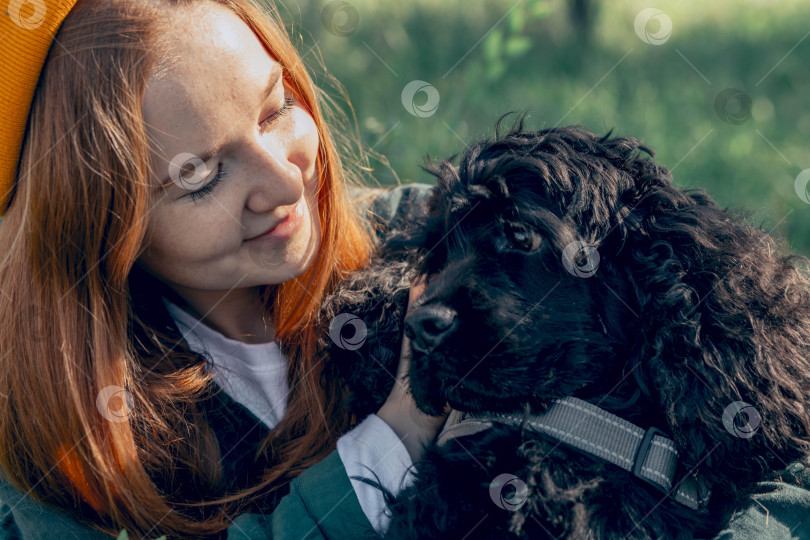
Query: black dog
(562,264)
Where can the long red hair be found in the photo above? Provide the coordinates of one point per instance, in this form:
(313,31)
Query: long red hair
(79,317)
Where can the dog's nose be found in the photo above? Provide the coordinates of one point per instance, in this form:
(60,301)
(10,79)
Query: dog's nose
(428,326)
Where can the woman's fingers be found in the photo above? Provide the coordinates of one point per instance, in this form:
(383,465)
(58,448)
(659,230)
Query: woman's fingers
(417,289)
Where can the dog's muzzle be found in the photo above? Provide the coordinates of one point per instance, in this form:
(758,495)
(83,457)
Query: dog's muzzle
(428,326)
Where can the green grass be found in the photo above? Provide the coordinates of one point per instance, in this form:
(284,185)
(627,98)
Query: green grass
(534,60)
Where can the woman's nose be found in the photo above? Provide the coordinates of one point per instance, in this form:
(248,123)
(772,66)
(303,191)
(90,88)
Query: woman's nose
(274,180)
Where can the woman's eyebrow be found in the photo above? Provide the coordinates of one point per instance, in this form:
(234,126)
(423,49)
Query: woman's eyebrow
(275,75)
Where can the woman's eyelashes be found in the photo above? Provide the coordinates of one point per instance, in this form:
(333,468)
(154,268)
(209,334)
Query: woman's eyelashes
(209,187)
(288,103)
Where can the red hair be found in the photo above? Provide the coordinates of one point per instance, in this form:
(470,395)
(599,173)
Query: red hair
(79,316)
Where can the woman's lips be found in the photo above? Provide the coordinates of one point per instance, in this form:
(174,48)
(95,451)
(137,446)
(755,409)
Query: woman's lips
(284,229)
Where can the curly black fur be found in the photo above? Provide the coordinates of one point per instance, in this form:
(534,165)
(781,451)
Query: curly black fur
(378,295)
(689,310)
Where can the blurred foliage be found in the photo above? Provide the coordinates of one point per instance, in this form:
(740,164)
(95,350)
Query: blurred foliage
(487,58)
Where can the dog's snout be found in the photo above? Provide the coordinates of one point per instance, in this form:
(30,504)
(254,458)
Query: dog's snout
(428,326)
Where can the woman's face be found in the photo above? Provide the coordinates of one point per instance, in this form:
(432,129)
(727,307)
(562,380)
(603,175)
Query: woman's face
(211,112)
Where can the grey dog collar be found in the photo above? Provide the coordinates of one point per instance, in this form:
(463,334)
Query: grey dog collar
(648,454)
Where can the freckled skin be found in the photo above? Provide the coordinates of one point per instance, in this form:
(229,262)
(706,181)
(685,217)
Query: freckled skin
(211,91)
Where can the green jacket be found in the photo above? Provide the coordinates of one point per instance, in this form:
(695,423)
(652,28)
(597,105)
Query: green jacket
(779,511)
(320,502)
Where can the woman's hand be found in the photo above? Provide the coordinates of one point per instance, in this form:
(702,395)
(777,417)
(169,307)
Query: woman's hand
(415,428)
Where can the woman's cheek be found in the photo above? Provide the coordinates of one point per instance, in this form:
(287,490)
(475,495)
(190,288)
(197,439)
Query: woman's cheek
(188,237)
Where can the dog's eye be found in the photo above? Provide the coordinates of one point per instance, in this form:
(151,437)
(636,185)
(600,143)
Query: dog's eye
(523,239)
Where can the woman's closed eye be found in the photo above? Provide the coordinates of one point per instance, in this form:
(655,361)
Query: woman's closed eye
(209,187)
(288,103)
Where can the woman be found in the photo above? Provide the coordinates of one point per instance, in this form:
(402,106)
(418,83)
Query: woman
(175,210)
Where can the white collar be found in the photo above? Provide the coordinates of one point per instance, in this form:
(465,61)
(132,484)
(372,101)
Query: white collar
(202,338)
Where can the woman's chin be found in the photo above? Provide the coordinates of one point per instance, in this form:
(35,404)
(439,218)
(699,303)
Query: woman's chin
(289,262)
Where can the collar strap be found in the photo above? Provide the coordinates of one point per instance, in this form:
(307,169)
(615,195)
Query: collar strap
(648,454)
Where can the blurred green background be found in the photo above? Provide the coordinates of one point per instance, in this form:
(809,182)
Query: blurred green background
(719,89)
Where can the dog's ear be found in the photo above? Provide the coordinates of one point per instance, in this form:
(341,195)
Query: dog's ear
(723,325)
(633,178)
(425,230)
(418,243)
(361,331)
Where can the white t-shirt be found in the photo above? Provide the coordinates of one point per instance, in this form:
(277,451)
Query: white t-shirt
(255,375)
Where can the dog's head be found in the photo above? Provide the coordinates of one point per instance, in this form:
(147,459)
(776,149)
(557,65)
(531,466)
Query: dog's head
(563,263)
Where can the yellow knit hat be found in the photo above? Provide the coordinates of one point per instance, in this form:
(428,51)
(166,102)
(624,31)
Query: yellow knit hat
(27,29)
